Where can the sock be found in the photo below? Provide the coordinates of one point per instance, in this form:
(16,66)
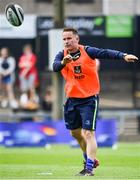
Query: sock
(85,156)
(89,164)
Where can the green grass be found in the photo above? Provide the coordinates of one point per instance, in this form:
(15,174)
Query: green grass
(63,162)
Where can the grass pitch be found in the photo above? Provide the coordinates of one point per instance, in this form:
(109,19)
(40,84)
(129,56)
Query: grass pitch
(63,162)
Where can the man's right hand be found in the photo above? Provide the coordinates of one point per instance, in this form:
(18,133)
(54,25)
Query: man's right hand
(67,59)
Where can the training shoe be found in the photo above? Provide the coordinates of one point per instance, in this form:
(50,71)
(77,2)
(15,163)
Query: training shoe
(85,172)
(88,173)
(96,164)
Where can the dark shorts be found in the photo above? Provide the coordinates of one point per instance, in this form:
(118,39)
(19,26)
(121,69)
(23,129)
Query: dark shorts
(81,113)
(7,79)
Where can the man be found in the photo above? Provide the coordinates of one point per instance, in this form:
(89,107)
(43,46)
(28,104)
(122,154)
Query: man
(78,66)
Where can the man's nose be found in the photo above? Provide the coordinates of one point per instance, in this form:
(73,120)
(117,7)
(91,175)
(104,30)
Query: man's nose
(67,40)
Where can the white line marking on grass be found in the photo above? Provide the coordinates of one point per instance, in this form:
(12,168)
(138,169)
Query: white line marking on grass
(45,173)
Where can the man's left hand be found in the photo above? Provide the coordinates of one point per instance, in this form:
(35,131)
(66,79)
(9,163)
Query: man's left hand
(130,58)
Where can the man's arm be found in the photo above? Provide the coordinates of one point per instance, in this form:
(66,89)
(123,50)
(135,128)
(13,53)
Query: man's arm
(109,54)
(60,61)
(57,65)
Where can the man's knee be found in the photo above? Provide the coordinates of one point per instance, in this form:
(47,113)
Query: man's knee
(76,133)
(88,134)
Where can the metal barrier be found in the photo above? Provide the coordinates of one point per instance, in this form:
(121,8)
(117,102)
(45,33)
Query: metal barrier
(120,114)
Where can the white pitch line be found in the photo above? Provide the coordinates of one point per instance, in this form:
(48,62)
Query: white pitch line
(45,173)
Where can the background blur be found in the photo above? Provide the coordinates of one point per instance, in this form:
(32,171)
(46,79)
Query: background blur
(112,24)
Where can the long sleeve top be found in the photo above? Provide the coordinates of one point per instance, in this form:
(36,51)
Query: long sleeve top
(93,52)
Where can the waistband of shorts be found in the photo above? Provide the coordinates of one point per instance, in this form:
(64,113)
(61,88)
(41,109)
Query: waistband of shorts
(86,98)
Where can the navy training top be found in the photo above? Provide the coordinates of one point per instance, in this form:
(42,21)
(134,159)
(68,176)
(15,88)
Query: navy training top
(93,52)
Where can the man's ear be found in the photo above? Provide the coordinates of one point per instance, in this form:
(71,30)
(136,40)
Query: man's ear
(77,38)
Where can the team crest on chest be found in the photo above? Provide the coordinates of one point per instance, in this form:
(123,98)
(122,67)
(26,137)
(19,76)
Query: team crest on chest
(78,72)
(77,69)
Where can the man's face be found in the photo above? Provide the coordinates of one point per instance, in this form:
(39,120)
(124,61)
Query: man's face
(70,41)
